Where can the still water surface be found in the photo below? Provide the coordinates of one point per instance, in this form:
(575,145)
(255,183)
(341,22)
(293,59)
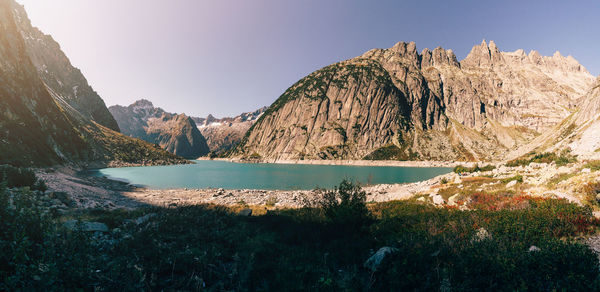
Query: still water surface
(229,175)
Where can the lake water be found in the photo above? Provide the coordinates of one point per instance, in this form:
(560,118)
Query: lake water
(229,175)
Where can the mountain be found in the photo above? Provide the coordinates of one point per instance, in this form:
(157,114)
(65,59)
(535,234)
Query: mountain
(578,133)
(56,71)
(175,133)
(38,124)
(224,134)
(397,103)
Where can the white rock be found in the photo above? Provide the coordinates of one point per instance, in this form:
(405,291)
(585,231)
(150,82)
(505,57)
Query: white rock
(375,260)
(586,170)
(511,184)
(437,199)
(533,248)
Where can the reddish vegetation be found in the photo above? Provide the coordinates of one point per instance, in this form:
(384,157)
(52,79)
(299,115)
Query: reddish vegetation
(495,202)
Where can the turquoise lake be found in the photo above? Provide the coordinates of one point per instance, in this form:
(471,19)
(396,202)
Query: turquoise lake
(229,175)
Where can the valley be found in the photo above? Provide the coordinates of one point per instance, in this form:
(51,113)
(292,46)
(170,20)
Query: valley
(397,169)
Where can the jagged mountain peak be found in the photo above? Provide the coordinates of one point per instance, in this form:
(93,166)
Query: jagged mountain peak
(483,55)
(428,105)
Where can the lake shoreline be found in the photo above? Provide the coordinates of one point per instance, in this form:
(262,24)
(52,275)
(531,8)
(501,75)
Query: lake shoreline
(91,192)
(388,163)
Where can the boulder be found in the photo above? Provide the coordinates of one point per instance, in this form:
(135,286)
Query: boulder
(511,184)
(375,260)
(245,212)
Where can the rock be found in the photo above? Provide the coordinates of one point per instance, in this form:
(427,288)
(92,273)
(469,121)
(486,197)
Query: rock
(533,248)
(481,235)
(245,212)
(586,170)
(437,199)
(452,200)
(143,219)
(421,199)
(86,226)
(375,260)
(511,184)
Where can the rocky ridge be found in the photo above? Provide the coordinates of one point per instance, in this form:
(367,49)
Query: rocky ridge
(57,72)
(400,104)
(49,128)
(222,135)
(176,133)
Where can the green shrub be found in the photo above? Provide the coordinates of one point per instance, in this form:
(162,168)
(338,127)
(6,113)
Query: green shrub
(518,178)
(564,158)
(476,168)
(17,177)
(346,206)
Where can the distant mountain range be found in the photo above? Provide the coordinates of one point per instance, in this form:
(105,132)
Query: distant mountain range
(48,112)
(176,133)
(400,104)
(224,134)
(189,137)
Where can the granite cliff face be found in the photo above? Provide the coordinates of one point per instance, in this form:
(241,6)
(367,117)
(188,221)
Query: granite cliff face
(175,133)
(56,71)
(222,135)
(400,104)
(38,125)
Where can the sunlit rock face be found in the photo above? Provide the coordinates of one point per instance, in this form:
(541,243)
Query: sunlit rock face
(398,103)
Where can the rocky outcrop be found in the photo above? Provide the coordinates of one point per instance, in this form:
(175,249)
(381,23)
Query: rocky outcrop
(175,133)
(38,125)
(224,134)
(401,104)
(56,71)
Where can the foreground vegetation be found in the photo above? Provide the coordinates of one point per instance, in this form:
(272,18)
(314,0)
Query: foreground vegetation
(529,245)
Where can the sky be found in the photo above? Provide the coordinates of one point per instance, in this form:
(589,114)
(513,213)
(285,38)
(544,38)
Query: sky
(225,57)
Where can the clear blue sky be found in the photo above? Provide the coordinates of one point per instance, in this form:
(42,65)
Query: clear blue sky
(225,57)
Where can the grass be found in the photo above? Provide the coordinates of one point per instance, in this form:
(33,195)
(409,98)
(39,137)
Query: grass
(561,159)
(318,247)
(593,165)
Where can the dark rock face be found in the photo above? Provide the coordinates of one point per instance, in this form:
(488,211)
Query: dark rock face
(429,105)
(177,134)
(56,71)
(38,125)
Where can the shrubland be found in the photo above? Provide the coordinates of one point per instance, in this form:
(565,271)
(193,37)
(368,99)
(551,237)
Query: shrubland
(503,242)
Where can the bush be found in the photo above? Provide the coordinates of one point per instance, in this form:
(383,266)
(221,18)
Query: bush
(18,177)
(346,206)
(518,178)
(476,168)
